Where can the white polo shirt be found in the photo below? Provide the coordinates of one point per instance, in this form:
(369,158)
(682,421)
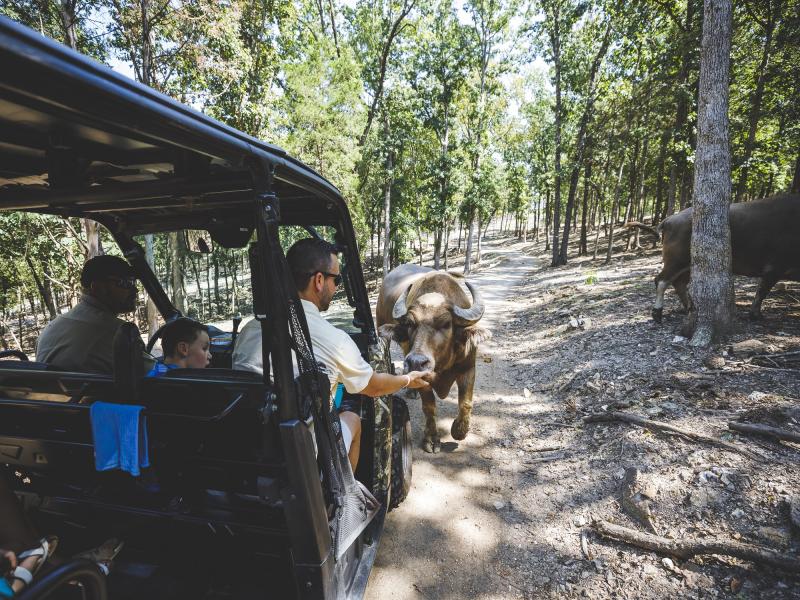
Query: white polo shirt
(333,347)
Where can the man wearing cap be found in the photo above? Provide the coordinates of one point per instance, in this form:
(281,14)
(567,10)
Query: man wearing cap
(315,269)
(81,339)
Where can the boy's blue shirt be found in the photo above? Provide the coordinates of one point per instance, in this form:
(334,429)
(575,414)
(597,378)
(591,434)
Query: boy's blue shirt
(160,368)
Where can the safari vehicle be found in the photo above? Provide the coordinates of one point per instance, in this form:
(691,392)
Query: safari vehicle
(243,498)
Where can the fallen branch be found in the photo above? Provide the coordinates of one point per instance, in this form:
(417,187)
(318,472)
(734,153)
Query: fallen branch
(666,427)
(686,548)
(772,432)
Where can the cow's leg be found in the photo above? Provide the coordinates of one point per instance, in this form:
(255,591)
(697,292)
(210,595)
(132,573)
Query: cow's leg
(465,383)
(768,280)
(430,443)
(662,283)
(681,285)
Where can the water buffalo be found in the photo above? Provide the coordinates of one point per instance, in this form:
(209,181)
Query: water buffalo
(765,243)
(431,317)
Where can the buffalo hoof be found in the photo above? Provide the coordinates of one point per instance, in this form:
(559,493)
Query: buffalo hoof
(658,313)
(459,429)
(432,446)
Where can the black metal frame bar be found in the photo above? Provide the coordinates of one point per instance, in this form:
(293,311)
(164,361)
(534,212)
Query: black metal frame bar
(81,571)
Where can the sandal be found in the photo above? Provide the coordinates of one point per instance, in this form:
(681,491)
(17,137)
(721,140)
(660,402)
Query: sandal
(45,549)
(104,554)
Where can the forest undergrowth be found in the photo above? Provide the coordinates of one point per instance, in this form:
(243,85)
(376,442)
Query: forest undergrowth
(589,364)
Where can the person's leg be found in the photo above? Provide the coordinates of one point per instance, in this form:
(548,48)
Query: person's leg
(353,423)
(16,532)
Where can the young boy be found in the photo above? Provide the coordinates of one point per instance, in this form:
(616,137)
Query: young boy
(186,346)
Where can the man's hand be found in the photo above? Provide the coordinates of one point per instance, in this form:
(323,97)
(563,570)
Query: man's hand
(420,380)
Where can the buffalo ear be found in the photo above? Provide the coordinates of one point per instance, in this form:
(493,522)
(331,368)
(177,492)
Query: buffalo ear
(474,335)
(398,333)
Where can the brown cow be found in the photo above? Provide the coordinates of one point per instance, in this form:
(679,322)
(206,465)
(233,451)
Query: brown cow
(765,243)
(431,317)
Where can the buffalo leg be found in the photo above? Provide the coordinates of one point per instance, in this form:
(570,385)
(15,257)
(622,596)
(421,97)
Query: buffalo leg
(658,307)
(681,283)
(465,383)
(430,442)
(768,280)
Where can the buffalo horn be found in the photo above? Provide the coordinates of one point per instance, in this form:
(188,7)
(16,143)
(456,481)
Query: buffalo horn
(471,315)
(400,308)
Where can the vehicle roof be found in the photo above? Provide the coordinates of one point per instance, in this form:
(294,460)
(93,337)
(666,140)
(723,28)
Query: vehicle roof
(78,139)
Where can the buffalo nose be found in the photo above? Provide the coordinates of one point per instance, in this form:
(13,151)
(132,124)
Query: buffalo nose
(418,362)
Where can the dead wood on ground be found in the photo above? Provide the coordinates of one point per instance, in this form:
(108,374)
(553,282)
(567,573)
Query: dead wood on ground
(773,432)
(687,547)
(666,427)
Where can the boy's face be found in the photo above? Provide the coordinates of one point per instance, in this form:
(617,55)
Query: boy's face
(196,355)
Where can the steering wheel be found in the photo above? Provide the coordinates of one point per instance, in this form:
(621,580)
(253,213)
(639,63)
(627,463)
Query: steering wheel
(18,354)
(156,335)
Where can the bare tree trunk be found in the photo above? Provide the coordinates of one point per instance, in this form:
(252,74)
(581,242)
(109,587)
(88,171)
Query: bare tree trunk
(758,95)
(796,180)
(446,243)
(151,311)
(547,222)
(587,176)
(662,153)
(391,34)
(387,199)
(557,192)
(178,297)
(577,160)
(711,285)
(612,221)
(468,250)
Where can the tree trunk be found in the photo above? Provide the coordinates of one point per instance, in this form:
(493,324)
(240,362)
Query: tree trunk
(577,160)
(587,176)
(678,162)
(662,153)
(437,247)
(796,180)
(446,243)
(557,192)
(547,222)
(387,208)
(468,250)
(711,285)
(758,95)
(178,297)
(151,312)
(612,219)
(44,291)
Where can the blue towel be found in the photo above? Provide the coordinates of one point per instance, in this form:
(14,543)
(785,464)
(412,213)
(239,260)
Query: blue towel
(120,437)
(337,398)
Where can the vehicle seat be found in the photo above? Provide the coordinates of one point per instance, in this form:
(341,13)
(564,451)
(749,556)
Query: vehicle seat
(128,350)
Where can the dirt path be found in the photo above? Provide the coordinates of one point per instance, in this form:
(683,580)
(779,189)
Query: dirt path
(500,514)
(443,540)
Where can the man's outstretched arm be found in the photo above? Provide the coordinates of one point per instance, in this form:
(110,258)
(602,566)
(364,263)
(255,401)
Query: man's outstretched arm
(381,384)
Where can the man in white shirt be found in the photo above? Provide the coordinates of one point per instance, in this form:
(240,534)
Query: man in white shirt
(315,268)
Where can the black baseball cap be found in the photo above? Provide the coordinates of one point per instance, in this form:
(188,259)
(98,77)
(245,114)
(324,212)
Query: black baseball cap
(105,265)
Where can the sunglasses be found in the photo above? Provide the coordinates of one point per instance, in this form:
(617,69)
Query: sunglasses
(337,277)
(127,283)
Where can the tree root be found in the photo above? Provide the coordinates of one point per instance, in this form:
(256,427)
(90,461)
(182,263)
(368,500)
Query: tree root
(686,548)
(666,427)
(775,433)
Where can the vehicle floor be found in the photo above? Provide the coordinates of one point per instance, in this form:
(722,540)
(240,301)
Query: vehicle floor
(501,513)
